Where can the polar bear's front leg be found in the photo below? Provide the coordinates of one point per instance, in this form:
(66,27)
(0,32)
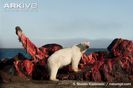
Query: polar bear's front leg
(75,62)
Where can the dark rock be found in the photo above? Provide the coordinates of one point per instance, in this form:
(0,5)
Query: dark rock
(51,48)
(121,47)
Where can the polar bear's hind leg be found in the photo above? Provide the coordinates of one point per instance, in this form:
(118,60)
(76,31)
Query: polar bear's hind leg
(53,73)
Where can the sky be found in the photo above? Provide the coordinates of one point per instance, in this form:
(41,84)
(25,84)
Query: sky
(60,21)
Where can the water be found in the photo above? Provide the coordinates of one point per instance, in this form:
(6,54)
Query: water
(95,50)
(9,53)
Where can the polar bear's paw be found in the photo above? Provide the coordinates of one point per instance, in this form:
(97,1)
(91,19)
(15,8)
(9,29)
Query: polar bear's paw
(79,70)
(76,70)
(54,79)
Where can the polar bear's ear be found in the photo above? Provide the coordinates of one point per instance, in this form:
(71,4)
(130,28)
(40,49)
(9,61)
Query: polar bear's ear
(86,43)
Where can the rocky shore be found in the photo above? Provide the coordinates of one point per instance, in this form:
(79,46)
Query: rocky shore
(114,65)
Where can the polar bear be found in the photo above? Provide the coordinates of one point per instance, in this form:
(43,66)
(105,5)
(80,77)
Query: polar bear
(66,56)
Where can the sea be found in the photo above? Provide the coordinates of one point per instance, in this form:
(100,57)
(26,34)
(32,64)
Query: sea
(12,52)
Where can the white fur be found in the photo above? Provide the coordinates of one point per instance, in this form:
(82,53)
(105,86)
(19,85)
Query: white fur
(62,58)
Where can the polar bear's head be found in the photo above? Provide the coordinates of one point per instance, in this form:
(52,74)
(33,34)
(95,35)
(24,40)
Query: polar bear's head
(83,46)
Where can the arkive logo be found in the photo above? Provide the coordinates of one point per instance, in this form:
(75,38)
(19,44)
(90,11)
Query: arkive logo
(20,6)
